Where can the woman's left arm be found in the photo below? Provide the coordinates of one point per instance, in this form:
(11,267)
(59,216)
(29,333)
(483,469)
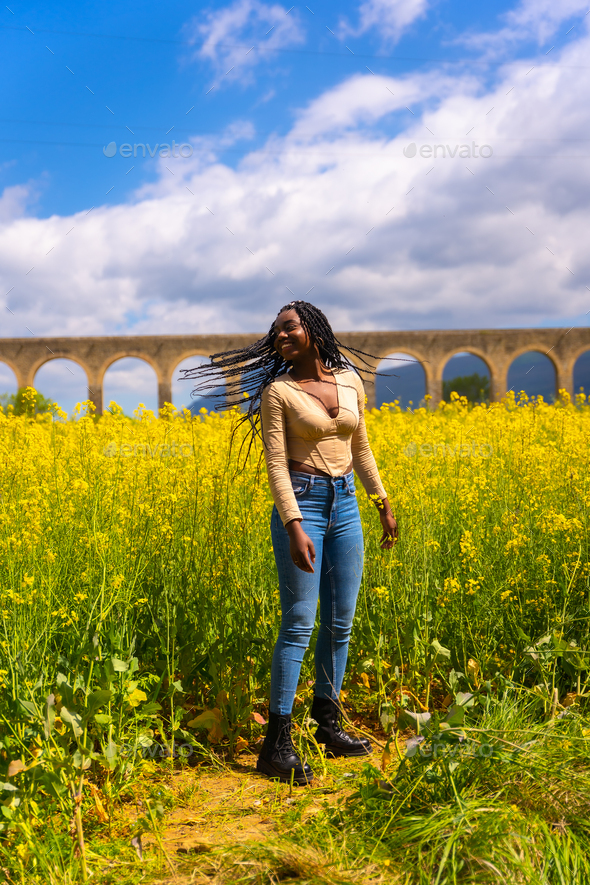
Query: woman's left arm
(366,468)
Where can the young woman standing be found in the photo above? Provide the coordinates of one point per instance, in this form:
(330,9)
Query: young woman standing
(311,406)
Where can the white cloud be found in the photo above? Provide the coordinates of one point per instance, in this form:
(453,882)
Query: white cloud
(128,382)
(536,20)
(224,33)
(390,17)
(14,201)
(385,241)
(7,380)
(363,100)
(62,381)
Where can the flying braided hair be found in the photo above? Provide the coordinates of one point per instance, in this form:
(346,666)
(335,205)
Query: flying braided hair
(250,369)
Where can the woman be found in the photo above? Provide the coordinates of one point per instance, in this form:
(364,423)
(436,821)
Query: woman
(311,406)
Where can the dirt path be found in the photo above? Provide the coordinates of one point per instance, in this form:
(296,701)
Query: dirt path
(236,810)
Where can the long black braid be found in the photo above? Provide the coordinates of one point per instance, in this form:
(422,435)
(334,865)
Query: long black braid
(250,369)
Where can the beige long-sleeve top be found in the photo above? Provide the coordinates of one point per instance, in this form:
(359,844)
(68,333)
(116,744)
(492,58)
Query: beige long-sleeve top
(295,425)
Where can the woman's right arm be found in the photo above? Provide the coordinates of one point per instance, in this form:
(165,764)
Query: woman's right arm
(274,436)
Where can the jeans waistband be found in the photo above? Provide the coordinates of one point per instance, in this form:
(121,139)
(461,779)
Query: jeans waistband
(299,474)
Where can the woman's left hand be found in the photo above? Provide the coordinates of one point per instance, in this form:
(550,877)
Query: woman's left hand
(389,525)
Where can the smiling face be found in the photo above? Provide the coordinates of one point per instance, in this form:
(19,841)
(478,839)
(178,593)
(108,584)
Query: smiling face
(291,341)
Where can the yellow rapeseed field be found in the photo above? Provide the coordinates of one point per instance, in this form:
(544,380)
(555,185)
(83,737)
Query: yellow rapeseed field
(104,521)
(139,610)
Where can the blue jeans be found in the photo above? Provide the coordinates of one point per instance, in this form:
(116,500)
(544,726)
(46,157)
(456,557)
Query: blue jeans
(331,519)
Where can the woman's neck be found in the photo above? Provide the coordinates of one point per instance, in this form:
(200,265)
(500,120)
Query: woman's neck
(310,370)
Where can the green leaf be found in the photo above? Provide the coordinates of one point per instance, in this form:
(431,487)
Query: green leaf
(440,652)
(151,708)
(417,721)
(386,720)
(97,699)
(119,666)
(65,689)
(81,761)
(413,745)
(103,718)
(74,720)
(455,716)
(49,715)
(28,707)
(53,784)
(454,678)
(108,758)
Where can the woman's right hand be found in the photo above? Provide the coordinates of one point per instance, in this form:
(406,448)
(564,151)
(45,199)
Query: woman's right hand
(301,546)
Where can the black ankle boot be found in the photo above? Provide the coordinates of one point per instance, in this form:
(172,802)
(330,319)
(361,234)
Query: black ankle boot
(278,757)
(328,715)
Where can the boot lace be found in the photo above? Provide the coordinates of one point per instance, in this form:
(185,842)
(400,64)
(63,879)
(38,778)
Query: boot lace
(284,742)
(337,722)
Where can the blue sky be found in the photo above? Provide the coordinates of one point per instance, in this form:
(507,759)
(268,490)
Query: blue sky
(296,119)
(142,61)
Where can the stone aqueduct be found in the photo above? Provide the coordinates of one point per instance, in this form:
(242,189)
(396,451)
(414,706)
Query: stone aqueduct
(496,347)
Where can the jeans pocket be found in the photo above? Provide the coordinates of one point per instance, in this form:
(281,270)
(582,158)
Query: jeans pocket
(300,486)
(350,487)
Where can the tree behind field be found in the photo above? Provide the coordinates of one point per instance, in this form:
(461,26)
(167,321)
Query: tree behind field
(24,404)
(475,387)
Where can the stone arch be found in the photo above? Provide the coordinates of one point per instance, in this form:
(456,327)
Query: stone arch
(56,381)
(409,380)
(127,387)
(6,382)
(546,380)
(50,357)
(535,348)
(181,390)
(131,353)
(475,393)
(581,372)
(475,351)
(380,353)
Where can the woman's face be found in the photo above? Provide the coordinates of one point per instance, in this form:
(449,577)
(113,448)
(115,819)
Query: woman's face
(291,341)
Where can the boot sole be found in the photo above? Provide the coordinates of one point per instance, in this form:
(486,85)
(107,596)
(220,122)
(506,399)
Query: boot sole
(337,752)
(265,768)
